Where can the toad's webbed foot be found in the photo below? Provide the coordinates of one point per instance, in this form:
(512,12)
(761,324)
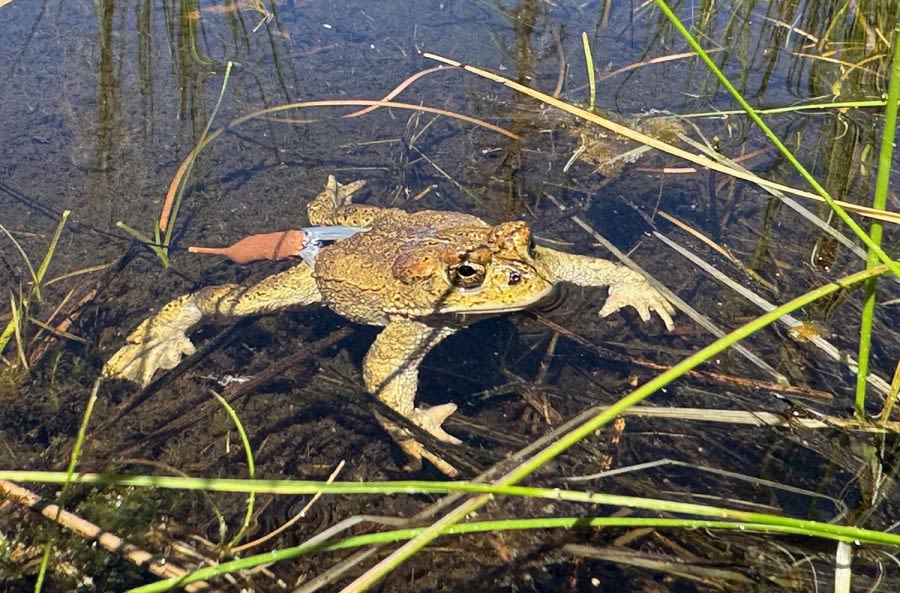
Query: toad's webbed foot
(626,286)
(157,343)
(160,342)
(414,449)
(139,361)
(431,419)
(391,373)
(334,206)
(638,293)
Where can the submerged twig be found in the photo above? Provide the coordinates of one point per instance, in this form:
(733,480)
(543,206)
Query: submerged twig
(89,531)
(893,217)
(721,250)
(798,391)
(293,520)
(679,303)
(397,90)
(789,320)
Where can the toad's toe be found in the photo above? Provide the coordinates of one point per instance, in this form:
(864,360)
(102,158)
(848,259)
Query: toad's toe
(431,419)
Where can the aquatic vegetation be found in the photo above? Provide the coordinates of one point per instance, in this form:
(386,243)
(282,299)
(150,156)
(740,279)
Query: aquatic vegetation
(767,425)
(19,306)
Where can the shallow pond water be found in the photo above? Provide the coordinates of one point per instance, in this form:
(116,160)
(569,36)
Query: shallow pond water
(102,102)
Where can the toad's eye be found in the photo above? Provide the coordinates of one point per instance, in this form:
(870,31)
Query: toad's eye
(467,275)
(514,277)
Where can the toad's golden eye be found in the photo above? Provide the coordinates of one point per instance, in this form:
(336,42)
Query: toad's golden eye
(514,277)
(468,274)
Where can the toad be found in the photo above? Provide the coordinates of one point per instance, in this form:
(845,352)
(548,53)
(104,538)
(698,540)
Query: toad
(421,275)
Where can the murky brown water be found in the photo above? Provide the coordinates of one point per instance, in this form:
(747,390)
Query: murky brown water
(100,104)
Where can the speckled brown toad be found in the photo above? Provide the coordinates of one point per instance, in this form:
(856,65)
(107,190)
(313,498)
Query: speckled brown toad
(421,275)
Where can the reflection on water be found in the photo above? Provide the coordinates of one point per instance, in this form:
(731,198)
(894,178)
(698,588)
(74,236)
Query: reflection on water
(102,101)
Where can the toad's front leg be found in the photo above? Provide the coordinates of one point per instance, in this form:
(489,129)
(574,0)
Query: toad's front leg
(161,340)
(626,287)
(391,373)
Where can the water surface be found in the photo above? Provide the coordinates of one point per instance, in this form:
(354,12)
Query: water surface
(101,103)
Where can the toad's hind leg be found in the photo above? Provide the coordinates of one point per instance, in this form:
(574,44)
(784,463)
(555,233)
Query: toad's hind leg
(333,206)
(391,373)
(161,341)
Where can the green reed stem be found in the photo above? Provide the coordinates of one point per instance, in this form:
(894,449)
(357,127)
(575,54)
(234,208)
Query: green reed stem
(70,472)
(19,312)
(893,394)
(51,251)
(413,487)
(25,258)
(14,328)
(774,139)
(879,201)
(79,441)
(170,222)
(251,468)
(44,566)
(153,244)
(552,451)
(392,536)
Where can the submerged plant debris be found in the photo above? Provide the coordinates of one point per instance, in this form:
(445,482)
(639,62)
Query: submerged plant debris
(103,103)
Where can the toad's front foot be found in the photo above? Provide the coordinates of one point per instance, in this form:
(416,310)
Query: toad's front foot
(626,286)
(637,292)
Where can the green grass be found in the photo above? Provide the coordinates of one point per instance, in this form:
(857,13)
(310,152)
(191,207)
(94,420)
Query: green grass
(19,310)
(415,540)
(163,229)
(694,516)
(879,201)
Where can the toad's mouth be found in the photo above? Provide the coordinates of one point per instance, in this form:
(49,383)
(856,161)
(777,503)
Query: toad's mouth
(493,308)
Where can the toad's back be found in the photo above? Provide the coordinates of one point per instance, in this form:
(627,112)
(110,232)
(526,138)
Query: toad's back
(428,263)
